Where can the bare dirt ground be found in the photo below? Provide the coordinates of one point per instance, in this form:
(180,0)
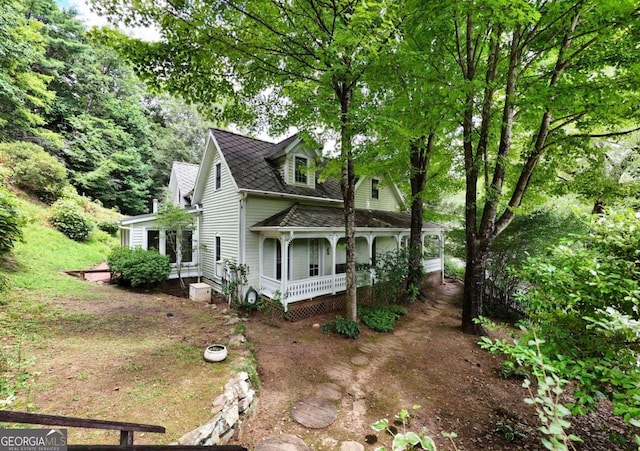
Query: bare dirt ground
(137,357)
(425,361)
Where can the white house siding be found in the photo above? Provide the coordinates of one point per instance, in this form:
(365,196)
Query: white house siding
(388,200)
(269,257)
(258,208)
(385,244)
(220,217)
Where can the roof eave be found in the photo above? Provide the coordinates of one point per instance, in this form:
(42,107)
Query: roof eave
(288,195)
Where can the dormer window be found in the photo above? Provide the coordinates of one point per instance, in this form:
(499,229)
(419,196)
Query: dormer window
(301,169)
(375,190)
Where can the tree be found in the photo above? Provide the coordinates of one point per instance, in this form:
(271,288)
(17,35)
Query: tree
(270,58)
(121,180)
(176,221)
(11,222)
(532,79)
(24,94)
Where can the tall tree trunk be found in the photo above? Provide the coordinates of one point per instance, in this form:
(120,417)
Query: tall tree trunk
(420,155)
(348,182)
(473,285)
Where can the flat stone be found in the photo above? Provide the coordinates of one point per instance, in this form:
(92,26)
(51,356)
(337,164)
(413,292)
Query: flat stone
(351,446)
(314,413)
(367,348)
(284,442)
(360,360)
(330,391)
(340,372)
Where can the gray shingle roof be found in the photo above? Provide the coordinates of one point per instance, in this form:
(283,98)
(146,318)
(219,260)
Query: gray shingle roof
(300,215)
(186,174)
(250,167)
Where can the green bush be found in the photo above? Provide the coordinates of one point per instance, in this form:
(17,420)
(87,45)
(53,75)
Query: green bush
(138,267)
(342,326)
(11,222)
(381,319)
(109,227)
(453,268)
(34,170)
(583,303)
(69,219)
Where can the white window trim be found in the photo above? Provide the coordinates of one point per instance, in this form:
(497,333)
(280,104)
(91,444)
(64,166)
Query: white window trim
(295,169)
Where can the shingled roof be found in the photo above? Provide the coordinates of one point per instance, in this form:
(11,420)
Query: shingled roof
(248,161)
(300,215)
(186,174)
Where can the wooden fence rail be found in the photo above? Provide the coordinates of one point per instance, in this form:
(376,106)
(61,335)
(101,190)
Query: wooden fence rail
(126,432)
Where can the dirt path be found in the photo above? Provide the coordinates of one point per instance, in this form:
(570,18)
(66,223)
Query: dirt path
(425,361)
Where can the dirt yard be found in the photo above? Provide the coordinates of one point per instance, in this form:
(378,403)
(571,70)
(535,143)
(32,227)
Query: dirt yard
(137,357)
(425,361)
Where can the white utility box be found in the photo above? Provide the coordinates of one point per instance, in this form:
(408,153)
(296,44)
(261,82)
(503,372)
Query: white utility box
(200,292)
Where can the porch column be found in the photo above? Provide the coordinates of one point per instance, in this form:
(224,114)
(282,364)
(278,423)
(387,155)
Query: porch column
(398,241)
(284,267)
(260,259)
(333,239)
(370,239)
(441,239)
(422,258)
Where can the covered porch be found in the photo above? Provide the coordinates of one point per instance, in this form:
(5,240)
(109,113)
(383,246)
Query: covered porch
(301,262)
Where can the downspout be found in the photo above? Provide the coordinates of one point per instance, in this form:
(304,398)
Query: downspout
(198,254)
(242,237)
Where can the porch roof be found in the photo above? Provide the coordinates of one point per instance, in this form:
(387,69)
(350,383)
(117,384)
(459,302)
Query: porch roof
(315,217)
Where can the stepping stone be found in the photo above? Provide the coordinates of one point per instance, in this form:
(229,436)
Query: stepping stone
(284,442)
(400,333)
(351,446)
(360,360)
(314,413)
(367,348)
(340,372)
(395,344)
(330,391)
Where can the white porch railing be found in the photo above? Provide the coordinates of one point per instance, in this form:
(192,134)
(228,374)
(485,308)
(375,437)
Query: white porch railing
(302,289)
(269,287)
(432,265)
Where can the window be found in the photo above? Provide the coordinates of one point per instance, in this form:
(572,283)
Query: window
(301,169)
(375,191)
(314,258)
(278,261)
(218,182)
(170,246)
(187,246)
(216,257)
(153,240)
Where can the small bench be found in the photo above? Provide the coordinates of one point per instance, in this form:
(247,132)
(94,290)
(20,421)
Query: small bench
(126,432)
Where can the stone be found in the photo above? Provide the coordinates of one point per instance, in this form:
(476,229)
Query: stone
(231,414)
(237,340)
(245,402)
(315,413)
(350,445)
(283,442)
(218,404)
(316,326)
(233,321)
(355,392)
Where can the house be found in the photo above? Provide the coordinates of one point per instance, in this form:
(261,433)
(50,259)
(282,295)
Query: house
(263,206)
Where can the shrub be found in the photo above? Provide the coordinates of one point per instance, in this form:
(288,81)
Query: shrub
(342,326)
(11,222)
(138,267)
(34,170)
(381,319)
(69,219)
(582,303)
(109,227)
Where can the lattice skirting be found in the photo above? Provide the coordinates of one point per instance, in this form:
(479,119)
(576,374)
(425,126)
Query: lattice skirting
(306,309)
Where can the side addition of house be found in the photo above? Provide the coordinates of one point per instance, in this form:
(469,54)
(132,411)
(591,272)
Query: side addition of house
(261,205)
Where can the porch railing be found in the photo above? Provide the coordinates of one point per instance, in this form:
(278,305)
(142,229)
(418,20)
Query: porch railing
(302,289)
